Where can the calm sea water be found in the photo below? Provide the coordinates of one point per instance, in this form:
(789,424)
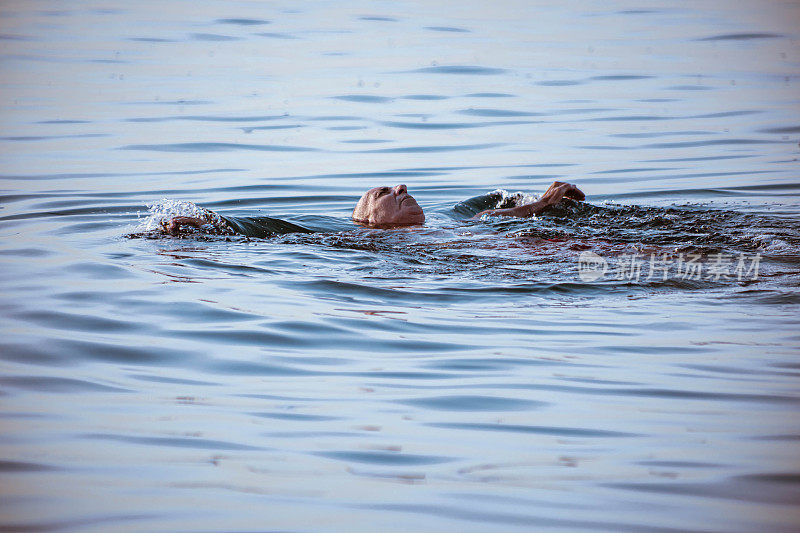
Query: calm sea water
(461,376)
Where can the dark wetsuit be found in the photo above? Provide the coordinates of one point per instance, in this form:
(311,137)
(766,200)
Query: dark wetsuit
(263,226)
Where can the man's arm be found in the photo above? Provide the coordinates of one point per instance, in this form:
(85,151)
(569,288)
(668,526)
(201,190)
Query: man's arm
(173,226)
(553,195)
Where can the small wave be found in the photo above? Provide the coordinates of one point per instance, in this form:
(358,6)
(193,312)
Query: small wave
(486,112)
(773,245)
(434,149)
(384,458)
(742,37)
(275,35)
(558,83)
(621,77)
(215,147)
(173,442)
(451,125)
(461,69)
(489,95)
(17,466)
(500,255)
(679,227)
(425,97)
(364,98)
(212,37)
(787,129)
(51,384)
(447,29)
(573,432)
(243,22)
(472,403)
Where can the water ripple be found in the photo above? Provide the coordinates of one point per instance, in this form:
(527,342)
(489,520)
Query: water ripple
(458,375)
(56,384)
(741,36)
(472,403)
(274,35)
(385,458)
(482,112)
(434,149)
(216,147)
(9,467)
(452,125)
(461,69)
(539,430)
(296,417)
(447,29)
(243,21)
(364,98)
(775,489)
(207,118)
(214,37)
(174,442)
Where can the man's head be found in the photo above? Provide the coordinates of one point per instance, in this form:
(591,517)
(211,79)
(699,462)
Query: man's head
(388,206)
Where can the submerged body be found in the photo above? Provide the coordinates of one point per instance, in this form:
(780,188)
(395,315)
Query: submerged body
(379,207)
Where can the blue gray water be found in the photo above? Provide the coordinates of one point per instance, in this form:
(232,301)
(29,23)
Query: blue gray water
(460,376)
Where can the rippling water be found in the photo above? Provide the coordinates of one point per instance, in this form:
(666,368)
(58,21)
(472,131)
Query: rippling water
(460,376)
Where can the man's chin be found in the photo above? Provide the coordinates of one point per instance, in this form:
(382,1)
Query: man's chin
(410,220)
(413,215)
(413,221)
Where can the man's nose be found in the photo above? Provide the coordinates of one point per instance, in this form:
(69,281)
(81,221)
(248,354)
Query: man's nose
(400,189)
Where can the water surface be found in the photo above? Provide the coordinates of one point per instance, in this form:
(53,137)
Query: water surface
(458,376)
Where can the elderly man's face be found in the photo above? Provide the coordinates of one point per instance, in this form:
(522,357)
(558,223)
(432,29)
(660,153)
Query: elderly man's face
(388,206)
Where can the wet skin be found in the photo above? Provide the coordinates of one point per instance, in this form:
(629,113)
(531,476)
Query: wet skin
(387,207)
(393,206)
(552,196)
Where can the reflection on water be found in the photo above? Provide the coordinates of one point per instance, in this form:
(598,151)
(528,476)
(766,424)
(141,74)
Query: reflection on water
(462,375)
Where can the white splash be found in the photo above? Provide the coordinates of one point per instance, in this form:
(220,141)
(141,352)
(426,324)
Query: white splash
(773,245)
(519,198)
(509,199)
(165,210)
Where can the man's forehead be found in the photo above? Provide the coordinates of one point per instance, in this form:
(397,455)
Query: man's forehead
(366,197)
(374,189)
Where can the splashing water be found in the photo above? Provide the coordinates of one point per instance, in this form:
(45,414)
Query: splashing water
(164,210)
(677,227)
(513,199)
